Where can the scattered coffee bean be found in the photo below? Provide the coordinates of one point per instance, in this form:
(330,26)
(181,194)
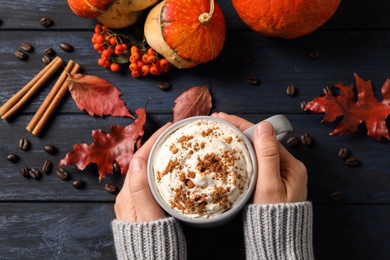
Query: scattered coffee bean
(306,139)
(164,85)
(252,80)
(110,188)
(291,90)
(337,195)
(24,144)
(46,22)
(34,173)
(245,61)
(47,166)
(51,149)
(78,184)
(25,172)
(46,59)
(116,168)
(292,141)
(303,105)
(343,153)
(49,51)
(66,47)
(62,174)
(26,47)
(352,162)
(328,90)
(314,54)
(20,55)
(12,158)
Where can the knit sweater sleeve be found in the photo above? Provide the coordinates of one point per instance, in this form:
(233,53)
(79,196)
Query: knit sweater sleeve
(160,239)
(278,231)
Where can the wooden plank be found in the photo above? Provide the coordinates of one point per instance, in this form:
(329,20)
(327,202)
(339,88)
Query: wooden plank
(24,15)
(276,63)
(327,173)
(65,230)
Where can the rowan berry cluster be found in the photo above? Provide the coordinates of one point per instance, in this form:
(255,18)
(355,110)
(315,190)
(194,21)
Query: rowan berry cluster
(115,49)
(145,63)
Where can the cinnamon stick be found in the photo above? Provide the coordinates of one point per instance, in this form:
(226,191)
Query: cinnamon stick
(53,99)
(23,95)
(53,92)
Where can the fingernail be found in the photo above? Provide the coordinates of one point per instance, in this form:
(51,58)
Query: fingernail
(264,129)
(135,164)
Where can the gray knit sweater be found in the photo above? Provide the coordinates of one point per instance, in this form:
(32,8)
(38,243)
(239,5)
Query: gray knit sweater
(272,231)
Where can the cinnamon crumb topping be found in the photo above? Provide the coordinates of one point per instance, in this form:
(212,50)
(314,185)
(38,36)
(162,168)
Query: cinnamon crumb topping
(228,139)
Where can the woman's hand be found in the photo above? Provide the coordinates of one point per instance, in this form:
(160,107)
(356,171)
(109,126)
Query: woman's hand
(281,177)
(135,201)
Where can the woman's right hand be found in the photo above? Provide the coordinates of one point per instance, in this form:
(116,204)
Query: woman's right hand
(281,177)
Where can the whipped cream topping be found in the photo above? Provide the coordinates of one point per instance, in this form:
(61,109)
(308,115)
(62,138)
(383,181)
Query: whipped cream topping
(202,169)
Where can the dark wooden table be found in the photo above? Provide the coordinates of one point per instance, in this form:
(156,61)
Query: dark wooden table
(50,219)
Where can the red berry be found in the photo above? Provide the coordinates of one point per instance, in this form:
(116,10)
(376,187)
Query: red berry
(106,53)
(114,67)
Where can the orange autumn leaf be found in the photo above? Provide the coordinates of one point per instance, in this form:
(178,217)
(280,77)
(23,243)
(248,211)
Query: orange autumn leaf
(367,109)
(195,101)
(97,96)
(118,146)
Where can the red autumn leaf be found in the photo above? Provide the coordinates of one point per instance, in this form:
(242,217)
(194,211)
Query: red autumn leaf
(366,109)
(97,96)
(195,101)
(118,146)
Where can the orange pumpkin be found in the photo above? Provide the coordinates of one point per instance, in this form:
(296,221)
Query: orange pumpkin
(186,32)
(285,18)
(89,8)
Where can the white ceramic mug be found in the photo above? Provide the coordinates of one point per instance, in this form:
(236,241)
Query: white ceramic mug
(281,125)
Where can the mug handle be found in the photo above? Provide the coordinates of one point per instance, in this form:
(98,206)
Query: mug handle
(280,123)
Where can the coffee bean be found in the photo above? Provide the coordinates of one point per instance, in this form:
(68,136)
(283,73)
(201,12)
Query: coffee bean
(34,173)
(163,85)
(46,59)
(62,174)
(343,153)
(66,47)
(252,80)
(47,166)
(78,184)
(110,188)
(25,172)
(51,149)
(46,22)
(352,162)
(337,195)
(303,105)
(26,47)
(12,158)
(24,144)
(116,168)
(291,90)
(20,55)
(245,61)
(292,141)
(306,139)
(314,54)
(49,51)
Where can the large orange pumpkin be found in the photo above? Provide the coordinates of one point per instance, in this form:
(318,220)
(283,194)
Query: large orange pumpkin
(186,32)
(285,18)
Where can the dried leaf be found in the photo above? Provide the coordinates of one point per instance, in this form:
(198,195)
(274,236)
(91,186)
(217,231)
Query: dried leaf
(97,96)
(195,101)
(366,109)
(118,146)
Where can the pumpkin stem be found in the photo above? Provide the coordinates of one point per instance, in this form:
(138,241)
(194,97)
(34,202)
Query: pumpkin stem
(205,18)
